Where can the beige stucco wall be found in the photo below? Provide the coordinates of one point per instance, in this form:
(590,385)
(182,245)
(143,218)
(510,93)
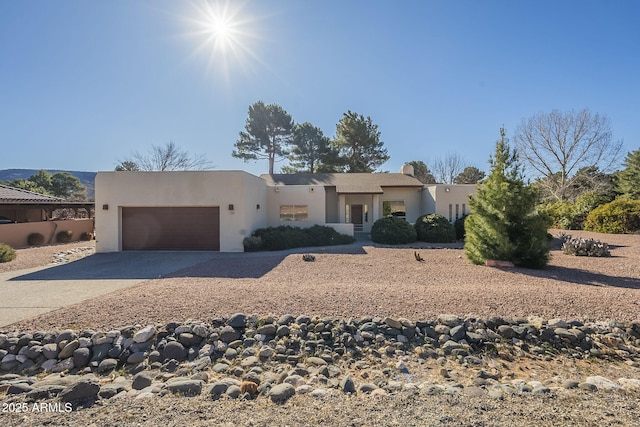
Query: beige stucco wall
(438,197)
(190,188)
(311,195)
(16,235)
(412,198)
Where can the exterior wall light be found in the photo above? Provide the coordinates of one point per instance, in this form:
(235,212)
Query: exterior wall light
(276,189)
(105,207)
(230,207)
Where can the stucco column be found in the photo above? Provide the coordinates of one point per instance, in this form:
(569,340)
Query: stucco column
(375,208)
(341,207)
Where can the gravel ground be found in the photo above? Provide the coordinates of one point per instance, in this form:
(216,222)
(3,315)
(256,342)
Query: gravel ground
(575,409)
(43,255)
(371,281)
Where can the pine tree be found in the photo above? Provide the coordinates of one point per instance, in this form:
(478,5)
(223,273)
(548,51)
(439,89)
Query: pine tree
(628,179)
(503,224)
(358,143)
(310,151)
(268,134)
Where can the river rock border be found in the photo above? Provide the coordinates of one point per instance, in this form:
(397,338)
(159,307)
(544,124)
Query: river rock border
(251,356)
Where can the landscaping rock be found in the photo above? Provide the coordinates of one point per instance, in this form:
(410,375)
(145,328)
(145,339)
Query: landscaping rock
(603,383)
(82,390)
(185,387)
(347,385)
(237,320)
(174,350)
(107,365)
(68,349)
(81,357)
(281,393)
(144,334)
(141,381)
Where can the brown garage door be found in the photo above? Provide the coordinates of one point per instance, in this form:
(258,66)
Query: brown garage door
(171,228)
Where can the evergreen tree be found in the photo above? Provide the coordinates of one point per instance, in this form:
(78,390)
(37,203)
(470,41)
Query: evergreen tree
(42,179)
(628,179)
(26,184)
(268,133)
(67,186)
(310,151)
(503,224)
(470,175)
(358,142)
(421,172)
(127,165)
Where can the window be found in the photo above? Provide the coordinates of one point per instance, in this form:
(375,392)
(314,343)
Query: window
(294,213)
(457,211)
(464,209)
(394,208)
(450,212)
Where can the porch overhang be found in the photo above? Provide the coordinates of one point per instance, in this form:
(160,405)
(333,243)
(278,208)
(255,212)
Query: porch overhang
(359,189)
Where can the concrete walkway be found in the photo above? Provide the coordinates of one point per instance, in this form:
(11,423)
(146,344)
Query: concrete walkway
(28,293)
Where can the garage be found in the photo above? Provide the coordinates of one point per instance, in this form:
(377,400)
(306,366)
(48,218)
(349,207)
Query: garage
(171,228)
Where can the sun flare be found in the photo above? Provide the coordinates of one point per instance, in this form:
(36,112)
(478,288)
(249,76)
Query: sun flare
(223,32)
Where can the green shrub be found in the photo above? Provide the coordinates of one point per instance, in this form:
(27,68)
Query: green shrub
(619,216)
(584,247)
(571,216)
(86,236)
(459,226)
(7,253)
(252,244)
(64,236)
(286,237)
(560,214)
(393,231)
(584,205)
(435,228)
(319,235)
(35,239)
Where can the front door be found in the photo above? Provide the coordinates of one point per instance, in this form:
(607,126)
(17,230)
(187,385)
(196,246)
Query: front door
(356,217)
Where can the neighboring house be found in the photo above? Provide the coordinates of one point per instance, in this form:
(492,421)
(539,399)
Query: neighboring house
(216,210)
(25,206)
(24,212)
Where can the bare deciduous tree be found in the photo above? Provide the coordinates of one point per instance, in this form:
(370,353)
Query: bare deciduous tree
(168,157)
(559,144)
(447,168)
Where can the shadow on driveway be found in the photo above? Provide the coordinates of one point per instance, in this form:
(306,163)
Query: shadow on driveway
(144,265)
(120,265)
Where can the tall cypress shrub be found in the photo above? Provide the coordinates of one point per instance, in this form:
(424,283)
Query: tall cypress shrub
(503,224)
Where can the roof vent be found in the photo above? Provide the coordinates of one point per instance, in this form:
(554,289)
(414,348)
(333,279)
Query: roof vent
(406,169)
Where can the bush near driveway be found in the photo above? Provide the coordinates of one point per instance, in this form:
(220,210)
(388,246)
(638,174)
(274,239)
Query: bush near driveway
(7,253)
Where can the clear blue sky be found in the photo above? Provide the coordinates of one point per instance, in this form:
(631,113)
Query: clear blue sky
(83,84)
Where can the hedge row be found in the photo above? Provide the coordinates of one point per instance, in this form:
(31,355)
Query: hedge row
(287,237)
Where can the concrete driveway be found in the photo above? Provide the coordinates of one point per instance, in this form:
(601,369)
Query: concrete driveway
(28,293)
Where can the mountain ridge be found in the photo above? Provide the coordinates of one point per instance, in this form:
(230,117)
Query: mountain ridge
(86,178)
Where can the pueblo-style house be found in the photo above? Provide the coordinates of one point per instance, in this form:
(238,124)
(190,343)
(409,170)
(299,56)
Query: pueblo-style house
(216,210)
